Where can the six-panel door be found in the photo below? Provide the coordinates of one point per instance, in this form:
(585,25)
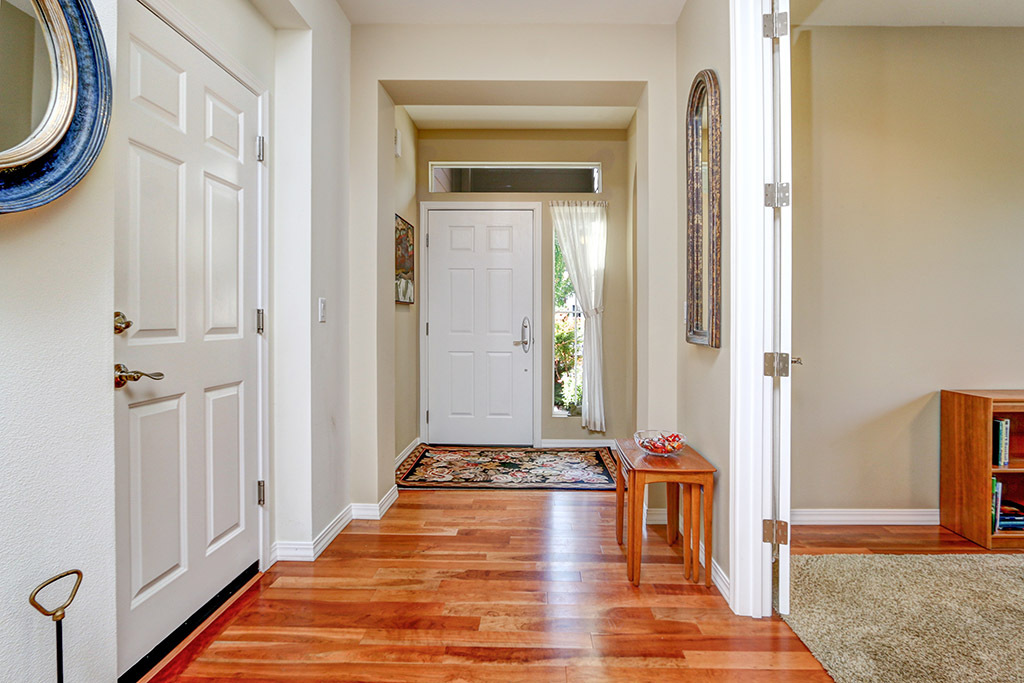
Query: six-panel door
(186,275)
(480,382)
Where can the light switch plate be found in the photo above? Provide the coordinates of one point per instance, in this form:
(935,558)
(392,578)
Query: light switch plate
(322,309)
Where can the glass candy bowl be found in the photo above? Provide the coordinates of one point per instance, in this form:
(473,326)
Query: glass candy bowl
(659,442)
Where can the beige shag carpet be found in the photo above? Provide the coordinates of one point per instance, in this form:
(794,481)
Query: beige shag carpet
(910,618)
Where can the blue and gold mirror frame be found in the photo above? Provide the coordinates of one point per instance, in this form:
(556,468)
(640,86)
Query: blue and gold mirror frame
(67,142)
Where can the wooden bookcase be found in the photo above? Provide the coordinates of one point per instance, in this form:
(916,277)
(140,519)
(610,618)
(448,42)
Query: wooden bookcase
(965,488)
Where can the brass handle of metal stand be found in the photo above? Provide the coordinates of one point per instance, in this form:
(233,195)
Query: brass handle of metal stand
(122,375)
(57,613)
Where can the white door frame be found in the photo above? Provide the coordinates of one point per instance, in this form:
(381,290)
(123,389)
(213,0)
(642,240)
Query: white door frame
(538,234)
(752,286)
(191,32)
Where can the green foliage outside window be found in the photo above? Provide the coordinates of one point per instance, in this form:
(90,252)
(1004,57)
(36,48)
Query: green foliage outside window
(568,341)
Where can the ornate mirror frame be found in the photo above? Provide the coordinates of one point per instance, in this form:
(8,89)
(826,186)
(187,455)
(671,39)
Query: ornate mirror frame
(65,145)
(704,91)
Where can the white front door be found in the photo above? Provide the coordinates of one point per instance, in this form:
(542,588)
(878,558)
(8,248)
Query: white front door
(480,317)
(186,275)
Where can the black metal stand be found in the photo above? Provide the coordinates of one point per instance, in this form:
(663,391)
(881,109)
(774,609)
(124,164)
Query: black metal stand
(57,614)
(60,652)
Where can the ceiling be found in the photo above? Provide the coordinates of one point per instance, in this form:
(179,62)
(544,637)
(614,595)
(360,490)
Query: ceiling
(434,117)
(512,11)
(908,12)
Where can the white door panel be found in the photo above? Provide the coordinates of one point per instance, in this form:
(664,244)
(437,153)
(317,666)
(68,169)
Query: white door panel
(480,282)
(186,275)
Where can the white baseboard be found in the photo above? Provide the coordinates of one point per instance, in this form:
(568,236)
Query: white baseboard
(388,500)
(299,551)
(869,516)
(287,551)
(656,515)
(375,511)
(407,451)
(718,577)
(325,537)
(577,443)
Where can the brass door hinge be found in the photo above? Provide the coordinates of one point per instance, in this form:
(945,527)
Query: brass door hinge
(776,532)
(261,492)
(261,320)
(261,148)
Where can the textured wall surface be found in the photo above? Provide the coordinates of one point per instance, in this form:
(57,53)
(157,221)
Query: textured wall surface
(56,422)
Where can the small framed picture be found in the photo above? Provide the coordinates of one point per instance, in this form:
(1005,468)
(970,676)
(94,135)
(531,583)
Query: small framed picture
(405,261)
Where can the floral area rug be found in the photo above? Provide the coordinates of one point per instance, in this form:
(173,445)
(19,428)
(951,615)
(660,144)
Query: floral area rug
(461,467)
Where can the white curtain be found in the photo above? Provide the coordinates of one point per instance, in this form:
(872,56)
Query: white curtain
(582,231)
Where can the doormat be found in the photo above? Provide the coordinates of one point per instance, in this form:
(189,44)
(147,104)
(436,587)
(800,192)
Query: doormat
(465,467)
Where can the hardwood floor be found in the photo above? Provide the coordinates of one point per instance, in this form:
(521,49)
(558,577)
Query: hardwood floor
(892,540)
(489,586)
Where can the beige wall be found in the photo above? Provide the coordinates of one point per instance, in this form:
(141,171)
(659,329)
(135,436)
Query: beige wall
(407,317)
(907,206)
(611,149)
(702,42)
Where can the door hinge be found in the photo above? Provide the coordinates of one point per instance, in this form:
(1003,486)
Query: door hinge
(776,195)
(428,329)
(261,320)
(261,148)
(776,25)
(428,240)
(428,417)
(776,364)
(261,492)
(776,532)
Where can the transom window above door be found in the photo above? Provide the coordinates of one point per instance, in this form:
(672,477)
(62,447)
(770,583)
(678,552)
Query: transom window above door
(515,177)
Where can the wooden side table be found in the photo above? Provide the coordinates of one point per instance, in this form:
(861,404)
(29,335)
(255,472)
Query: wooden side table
(687,468)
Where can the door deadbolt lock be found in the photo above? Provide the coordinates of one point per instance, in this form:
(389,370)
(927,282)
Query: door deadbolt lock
(121,322)
(122,375)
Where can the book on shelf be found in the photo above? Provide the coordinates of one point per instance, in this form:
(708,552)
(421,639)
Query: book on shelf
(1001,442)
(1011,515)
(997,495)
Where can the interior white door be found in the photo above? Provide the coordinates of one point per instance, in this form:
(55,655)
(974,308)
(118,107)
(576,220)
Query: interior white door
(781,169)
(186,275)
(480,316)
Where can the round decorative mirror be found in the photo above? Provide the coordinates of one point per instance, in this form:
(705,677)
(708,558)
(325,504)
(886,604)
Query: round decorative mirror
(54,98)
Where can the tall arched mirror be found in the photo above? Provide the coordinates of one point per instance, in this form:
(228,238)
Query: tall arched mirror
(704,212)
(54,98)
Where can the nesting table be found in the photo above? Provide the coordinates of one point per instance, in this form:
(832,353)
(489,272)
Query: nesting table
(688,469)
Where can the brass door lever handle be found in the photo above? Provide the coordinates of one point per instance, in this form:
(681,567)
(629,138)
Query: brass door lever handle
(122,375)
